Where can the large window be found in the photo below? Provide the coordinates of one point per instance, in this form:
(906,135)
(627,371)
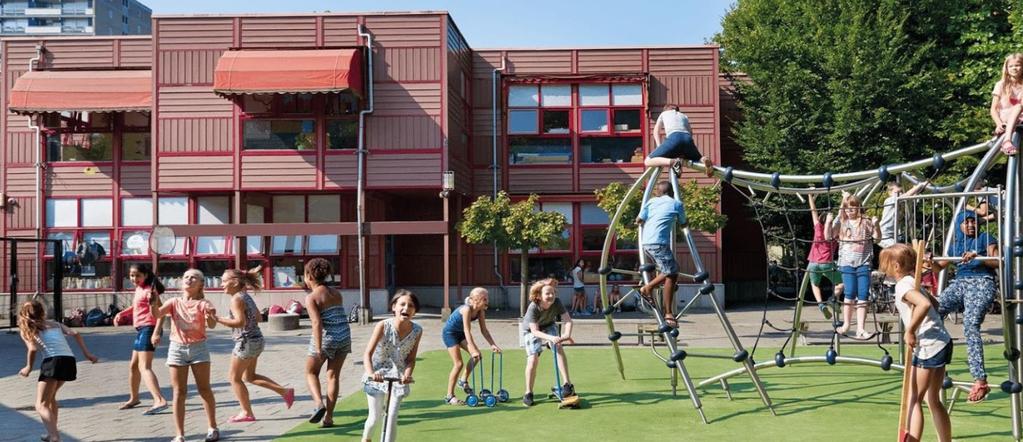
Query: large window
(295,121)
(94,137)
(83,226)
(539,124)
(546,122)
(289,253)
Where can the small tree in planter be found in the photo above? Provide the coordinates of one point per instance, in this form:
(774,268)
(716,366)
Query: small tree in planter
(700,204)
(511,226)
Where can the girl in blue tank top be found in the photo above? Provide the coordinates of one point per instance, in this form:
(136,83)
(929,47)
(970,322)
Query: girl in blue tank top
(457,336)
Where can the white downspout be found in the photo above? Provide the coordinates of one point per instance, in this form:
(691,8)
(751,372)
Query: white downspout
(33,124)
(495,165)
(367,313)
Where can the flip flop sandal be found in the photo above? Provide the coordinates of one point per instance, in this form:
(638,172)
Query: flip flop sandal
(464,386)
(317,414)
(978,393)
(326,424)
(129,405)
(155,410)
(452,400)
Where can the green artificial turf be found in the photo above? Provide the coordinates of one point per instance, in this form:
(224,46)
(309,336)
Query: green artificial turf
(814,402)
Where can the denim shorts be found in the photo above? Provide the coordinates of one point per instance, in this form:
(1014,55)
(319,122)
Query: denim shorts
(533,344)
(677,145)
(452,338)
(248,348)
(663,257)
(331,352)
(143,338)
(179,355)
(943,358)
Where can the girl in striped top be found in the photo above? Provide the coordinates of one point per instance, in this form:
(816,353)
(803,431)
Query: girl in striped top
(856,237)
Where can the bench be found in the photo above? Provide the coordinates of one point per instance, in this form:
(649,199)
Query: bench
(648,329)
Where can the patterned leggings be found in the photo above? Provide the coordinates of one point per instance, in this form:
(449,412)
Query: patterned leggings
(973,296)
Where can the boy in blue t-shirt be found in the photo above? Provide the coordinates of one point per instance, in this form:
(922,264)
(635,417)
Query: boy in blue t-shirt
(657,217)
(971,291)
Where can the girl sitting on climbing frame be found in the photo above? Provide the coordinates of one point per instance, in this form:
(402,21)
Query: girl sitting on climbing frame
(1006,105)
(678,142)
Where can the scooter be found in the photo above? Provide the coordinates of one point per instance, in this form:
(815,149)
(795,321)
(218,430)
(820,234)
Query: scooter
(565,401)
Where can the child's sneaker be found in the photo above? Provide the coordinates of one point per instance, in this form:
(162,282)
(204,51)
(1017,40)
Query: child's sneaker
(824,311)
(212,435)
(568,390)
(527,399)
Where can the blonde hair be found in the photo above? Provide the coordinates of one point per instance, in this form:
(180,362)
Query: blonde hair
(899,257)
(1007,80)
(536,289)
(475,295)
(31,319)
(249,279)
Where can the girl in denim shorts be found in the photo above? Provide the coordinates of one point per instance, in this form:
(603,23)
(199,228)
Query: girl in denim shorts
(148,335)
(248,342)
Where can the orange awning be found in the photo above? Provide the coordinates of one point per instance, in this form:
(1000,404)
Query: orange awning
(86,91)
(288,71)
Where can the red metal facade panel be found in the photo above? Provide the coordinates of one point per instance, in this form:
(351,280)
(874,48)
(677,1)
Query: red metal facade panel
(689,90)
(539,62)
(539,180)
(605,61)
(278,32)
(683,61)
(79,54)
(403,132)
(278,171)
(405,30)
(406,99)
(340,31)
(188,67)
(135,180)
(19,147)
(79,180)
(591,178)
(22,216)
(194,33)
(200,172)
(193,102)
(339,171)
(403,170)
(407,64)
(196,135)
(136,53)
(21,181)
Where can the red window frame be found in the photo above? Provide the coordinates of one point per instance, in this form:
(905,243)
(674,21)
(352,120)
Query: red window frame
(115,126)
(269,256)
(317,112)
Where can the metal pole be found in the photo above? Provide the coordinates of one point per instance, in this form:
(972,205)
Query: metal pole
(14,284)
(796,317)
(360,192)
(58,280)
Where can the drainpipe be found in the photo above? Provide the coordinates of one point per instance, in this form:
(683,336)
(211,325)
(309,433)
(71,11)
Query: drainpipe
(33,124)
(360,205)
(495,166)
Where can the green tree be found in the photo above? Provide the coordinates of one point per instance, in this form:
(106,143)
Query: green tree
(700,203)
(511,226)
(840,85)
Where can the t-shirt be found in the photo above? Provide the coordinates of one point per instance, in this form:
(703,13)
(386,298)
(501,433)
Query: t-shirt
(577,277)
(659,215)
(1011,99)
(931,336)
(188,319)
(674,121)
(822,251)
(542,318)
(855,246)
(142,312)
(887,223)
(962,244)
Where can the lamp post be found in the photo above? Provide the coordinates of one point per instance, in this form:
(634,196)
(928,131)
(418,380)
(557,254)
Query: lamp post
(447,186)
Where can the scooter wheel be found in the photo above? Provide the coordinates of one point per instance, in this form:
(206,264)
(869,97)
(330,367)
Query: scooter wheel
(472,400)
(491,401)
(484,394)
(502,395)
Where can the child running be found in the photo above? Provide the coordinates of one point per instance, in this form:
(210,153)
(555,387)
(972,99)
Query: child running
(149,331)
(540,325)
(248,342)
(1006,100)
(330,341)
(191,314)
(391,353)
(926,336)
(58,364)
(457,336)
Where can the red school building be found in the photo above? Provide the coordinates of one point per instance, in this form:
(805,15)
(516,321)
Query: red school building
(244,131)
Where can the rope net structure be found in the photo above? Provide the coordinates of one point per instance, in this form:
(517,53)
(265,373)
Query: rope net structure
(776,198)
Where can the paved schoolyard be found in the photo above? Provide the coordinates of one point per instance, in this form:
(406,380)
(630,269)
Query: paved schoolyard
(89,405)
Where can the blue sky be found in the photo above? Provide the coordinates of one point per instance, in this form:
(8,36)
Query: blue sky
(523,23)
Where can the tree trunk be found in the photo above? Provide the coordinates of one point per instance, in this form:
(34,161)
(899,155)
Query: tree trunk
(523,273)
